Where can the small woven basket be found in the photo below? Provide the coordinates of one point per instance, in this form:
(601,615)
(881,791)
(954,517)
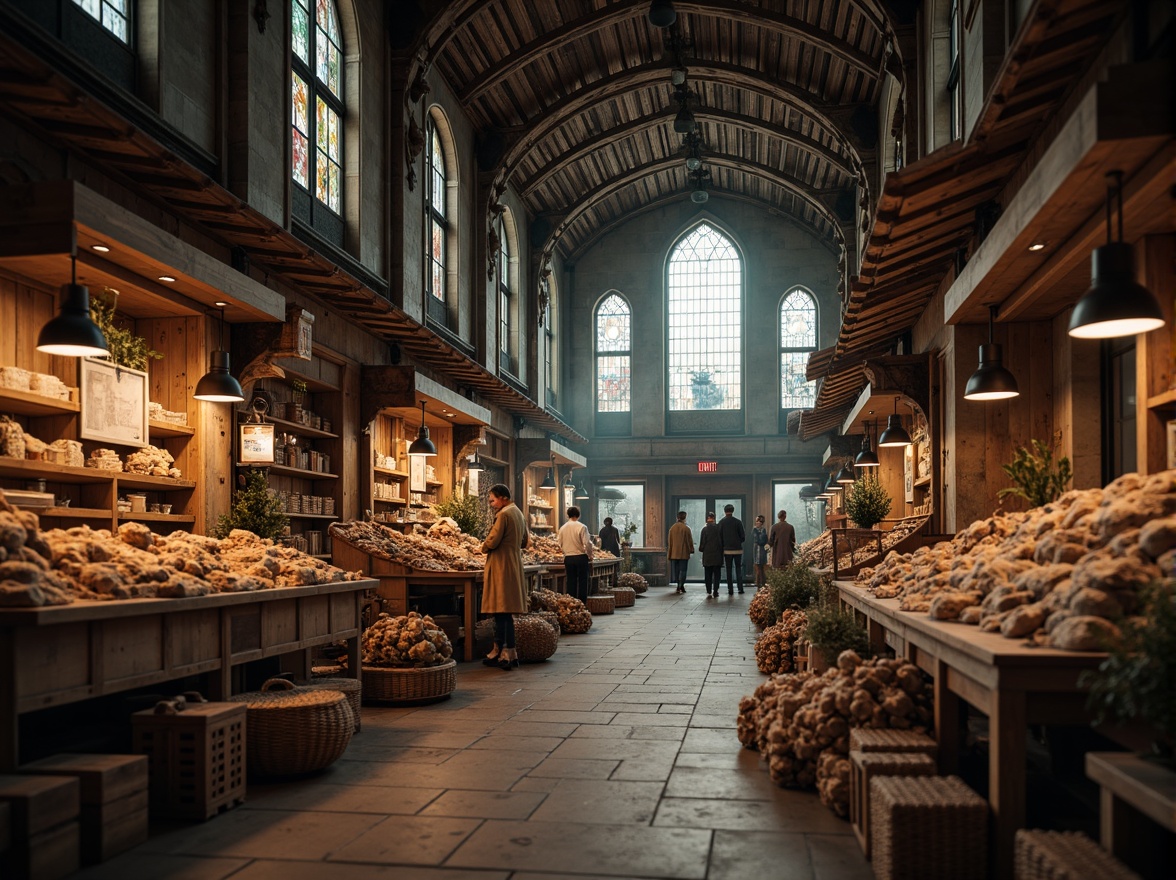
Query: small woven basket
(535,638)
(864,766)
(625,597)
(349,687)
(1064,855)
(865,739)
(291,730)
(927,826)
(395,684)
(601,604)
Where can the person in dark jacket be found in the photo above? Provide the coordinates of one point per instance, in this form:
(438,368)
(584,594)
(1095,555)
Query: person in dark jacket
(732,536)
(710,545)
(610,537)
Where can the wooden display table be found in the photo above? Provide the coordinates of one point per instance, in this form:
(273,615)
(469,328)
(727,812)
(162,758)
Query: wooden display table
(853,540)
(1131,792)
(604,574)
(66,653)
(1013,685)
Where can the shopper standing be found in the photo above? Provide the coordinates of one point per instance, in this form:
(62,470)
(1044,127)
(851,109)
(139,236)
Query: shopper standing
(681,545)
(759,550)
(782,541)
(577,550)
(710,545)
(610,537)
(504,593)
(732,536)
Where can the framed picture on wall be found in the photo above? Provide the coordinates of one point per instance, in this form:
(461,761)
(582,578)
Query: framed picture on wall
(416,473)
(909,457)
(257,443)
(114,403)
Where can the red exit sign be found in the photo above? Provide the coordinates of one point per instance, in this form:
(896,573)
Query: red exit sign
(708,467)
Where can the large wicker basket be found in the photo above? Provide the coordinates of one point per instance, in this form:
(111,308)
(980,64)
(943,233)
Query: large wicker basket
(535,638)
(292,730)
(1064,855)
(927,826)
(625,597)
(601,604)
(349,687)
(395,684)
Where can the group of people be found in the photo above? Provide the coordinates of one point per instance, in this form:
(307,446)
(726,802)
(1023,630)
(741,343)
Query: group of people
(504,592)
(721,545)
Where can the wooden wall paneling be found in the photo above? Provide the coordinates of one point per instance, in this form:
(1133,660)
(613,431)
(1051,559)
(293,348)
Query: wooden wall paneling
(1155,358)
(215,428)
(1076,402)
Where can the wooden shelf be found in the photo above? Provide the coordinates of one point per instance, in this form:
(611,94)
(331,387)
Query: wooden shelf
(154,484)
(102,513)
(314,385)
(1167,398)
(22,468)
(169,429)
(541,506)
(923,481)
(434,483)
(326,556)
(312,516)
(26,403)
(300,429)
(398,501)
(156,517)
(540,528)
(388,473)
(289,471)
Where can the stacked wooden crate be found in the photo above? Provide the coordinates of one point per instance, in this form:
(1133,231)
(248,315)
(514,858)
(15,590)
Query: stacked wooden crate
(44,826)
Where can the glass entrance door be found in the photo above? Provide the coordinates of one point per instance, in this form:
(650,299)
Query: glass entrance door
(697,507)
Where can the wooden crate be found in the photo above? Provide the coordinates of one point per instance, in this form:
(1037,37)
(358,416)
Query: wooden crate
(196,758)
(113,800)
(44,826)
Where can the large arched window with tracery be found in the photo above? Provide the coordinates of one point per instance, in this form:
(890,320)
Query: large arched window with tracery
(317,90)
(613,341)
(798,339)
(436,193)
(705,322)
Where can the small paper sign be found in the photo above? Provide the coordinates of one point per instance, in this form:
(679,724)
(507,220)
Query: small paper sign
(257,443)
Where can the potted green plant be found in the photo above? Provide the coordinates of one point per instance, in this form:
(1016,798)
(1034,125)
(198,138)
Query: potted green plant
(628,532)
(254,510)
(1036,477)
(867,503)
(831,630)
(465,510)
(126,349)
(792,586)
(1137,680)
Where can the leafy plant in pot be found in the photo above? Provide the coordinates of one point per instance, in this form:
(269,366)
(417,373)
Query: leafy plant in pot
(254,510)
(467,511)
(792,586)
(126,349)
(831,630)
(1035,475)
(1137,680)
(867,504)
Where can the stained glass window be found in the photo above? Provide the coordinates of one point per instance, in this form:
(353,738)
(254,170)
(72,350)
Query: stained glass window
(113,15)
(705,322)
(798,339)
(321,83)
(612,355)
(438,225)
(505,294)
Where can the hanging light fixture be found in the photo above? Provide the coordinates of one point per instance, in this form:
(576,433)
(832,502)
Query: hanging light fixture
(422,445)
(867,458)
(1116,304)
(549,480)
(567,483)
(662,13)
(72,332)
(218,384)
(845,476)
(581,492)
(832,486)
(699,195)
(991,381)
(692,147)
(895,434)
(476,464)
(684,122)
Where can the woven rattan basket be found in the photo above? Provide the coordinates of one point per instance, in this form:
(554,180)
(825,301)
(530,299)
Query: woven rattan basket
(395,684)
(625,597)
(601,604)
(864,766)
(535,638)
(292,730)
(1069,855)
(865,739)
(349,687)
(927,826)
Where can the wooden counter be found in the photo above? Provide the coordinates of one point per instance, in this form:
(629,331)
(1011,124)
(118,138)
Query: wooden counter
(1012,684)
(604,573)
(62,654)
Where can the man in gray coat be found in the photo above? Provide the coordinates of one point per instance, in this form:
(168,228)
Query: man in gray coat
(710,545)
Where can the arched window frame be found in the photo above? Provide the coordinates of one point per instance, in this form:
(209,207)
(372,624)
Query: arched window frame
(316,153)
(113,15)
(704,327)
(797,342)
(436,203)
(613,346)
(955,91)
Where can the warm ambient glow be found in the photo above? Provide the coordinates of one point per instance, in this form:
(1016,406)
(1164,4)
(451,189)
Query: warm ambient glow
(101,248)
(72,332)
(1037,246)
(167,278)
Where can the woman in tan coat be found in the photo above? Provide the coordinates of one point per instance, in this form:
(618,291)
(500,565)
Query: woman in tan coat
(504,592)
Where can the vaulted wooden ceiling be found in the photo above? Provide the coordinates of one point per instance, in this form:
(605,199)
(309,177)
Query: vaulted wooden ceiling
(574,104)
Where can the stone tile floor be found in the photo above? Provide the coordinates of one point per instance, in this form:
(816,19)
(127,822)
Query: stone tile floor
(616,758)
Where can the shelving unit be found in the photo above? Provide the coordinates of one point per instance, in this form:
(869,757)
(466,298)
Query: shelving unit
(386,492)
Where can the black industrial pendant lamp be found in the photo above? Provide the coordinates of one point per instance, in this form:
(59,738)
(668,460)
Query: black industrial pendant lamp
(218,384)
(832,486)
(422,445)
(567,483)
(991,381)
(72,332)
(476,464)
(1116,304)
(895,434)
(581,492)
(549,480)
(845,476)
(662,13)
(867,458)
